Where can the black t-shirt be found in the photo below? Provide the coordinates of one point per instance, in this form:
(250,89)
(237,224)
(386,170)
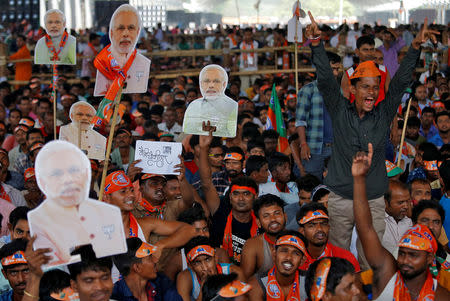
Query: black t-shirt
(240,231)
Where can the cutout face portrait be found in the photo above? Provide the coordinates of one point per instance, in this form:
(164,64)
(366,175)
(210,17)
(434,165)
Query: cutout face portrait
(125,27)
(57,46)
(68,218)
(215,107)
(80,132)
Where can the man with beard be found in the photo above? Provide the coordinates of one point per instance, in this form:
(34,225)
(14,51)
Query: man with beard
(203,262)
(233,220)
(408,277)
(283,281)
(15,269)
(257,252)
(94,144)
(331,279)
(57,46)
(365,51)
(356,124)
(443,125)
(313,221)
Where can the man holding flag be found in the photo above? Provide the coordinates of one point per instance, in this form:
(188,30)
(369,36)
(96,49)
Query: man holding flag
(313,124)
(275,122)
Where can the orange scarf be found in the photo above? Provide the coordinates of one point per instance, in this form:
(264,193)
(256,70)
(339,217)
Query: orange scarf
(51,47)
(110,68)
(401,292)
(134,230)
(227,243)
(245,55)
(4,195)
(153,209)
(274,291)
(309,260)
(93,48)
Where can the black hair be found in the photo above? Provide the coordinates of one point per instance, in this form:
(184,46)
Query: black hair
(89,262)
(257,142)
(254,163)
(413,122)
(427,204)
(444,172)
(267,200)
(307,182)
(250,131)
(272,134)
(194,141)
(19,213)
(430,151)
(214,283)
(148,136)
(33,131)
(216,142)
(319,194)
(244,181)
(397,184)
(192,214)
(93,36)
(53,281)
(44,100)
(124,261)
(11,248)
(429,110)
(276,160)
(362,40)
(440,114)
(308,207)
(338,269)
(242,117)
(333,57)
(197,241)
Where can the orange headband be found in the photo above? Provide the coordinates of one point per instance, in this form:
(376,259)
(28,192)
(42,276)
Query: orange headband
(320,279)
(233,156)
(145,250)
(234,289)
(116,181)
(312,215)
(432,165)
(291,241)
(21,127)
(366,69)
(200,250)
(26,122)
(419,238)
(67,294)
(16,258)
(236,187)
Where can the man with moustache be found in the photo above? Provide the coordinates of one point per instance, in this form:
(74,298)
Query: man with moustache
(15,269)
(257,252)
(119,64)
(283,282)
(313,221)
(94,144)
(57,46)
(443,125)
(68,218)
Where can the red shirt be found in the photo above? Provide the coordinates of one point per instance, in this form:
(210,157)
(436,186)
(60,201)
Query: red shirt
(334,252)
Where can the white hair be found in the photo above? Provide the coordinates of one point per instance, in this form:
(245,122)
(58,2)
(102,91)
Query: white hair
(81,103)
(54,10)
(221,70)
(121,9)
(70,151)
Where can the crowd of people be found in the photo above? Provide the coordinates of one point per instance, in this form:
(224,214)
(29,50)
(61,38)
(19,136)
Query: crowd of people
(347,211)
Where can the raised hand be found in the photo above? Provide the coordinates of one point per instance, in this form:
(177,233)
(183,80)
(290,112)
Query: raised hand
(36,258)
(361,162)
(312,30)
(133,170)
(424,35)
(180,168)
(205,141)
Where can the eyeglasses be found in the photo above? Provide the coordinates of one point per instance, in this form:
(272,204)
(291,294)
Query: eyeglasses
(217,155)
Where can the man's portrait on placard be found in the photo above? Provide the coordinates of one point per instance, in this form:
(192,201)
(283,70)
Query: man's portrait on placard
(57,46)
(68,217)
(214,106)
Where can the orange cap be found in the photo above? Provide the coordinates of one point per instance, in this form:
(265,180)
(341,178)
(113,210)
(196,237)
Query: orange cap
(28,174)
(116,181)
(366,69)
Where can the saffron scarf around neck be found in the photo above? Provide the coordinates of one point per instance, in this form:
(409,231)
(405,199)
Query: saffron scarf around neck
(401,292)
(227,243)
(55,53)
(274,291)
(159,210)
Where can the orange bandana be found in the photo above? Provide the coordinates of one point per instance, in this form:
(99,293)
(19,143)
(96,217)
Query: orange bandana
(419,238)
(16,258)
(274,292)
(200,250)
(293,241)
(21,127)
(27,122)
(366,69)
(312,215)
(159,210)
(145,250)
(236,187)
(233,156)
(227,242)
(320,280)
(401,292)
(432,165)
(116,181)
(234,289)
(66,294)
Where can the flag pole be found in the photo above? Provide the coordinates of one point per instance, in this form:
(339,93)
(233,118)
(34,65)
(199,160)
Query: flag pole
(402,140)
(110,139)
(54,98)
(296,49)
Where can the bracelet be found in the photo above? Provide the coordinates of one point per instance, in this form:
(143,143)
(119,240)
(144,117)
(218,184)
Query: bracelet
(30,295)
(315,38)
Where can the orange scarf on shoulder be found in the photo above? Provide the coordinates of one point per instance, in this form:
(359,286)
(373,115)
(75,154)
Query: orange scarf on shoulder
(153,209)
(401,292)
(274,291)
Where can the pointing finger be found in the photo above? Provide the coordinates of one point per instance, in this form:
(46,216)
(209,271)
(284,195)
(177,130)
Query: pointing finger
(311,18)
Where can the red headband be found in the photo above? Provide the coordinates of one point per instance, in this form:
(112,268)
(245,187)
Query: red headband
(236,187)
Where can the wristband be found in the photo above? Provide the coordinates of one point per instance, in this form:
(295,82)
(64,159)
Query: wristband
(30,295)
(315,38)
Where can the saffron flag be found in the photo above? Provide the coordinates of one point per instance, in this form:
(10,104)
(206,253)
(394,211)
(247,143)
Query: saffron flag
(105,112)
(275,121)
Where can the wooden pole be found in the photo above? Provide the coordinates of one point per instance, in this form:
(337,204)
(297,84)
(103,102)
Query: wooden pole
(110,139)
(402,140)
(54,98)
(296,50)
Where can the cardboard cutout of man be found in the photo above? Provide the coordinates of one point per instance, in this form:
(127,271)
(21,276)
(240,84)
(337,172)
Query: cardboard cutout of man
(57,46)
(120,58)
(217,108)
(68,218)
(92,143)
(293,34)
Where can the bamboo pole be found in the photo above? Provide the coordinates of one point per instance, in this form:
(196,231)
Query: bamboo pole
(402,140)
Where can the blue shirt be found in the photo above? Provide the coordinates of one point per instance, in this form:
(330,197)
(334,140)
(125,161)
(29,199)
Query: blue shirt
(436,140)
(8,296)
(445,202)
(163,290)
(431,132)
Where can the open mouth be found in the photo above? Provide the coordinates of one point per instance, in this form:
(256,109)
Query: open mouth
(287,266)
(369,101)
